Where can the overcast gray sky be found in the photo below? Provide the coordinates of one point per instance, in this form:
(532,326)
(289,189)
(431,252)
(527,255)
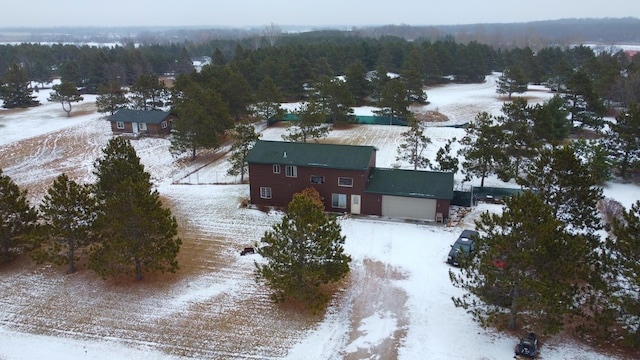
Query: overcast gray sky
(243,13)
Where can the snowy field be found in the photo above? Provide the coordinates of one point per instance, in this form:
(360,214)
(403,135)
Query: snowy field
(396,303)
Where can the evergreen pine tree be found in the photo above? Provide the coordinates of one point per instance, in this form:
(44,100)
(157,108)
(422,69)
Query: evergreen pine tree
(309,126)
(413,144)
(17,218)
(413,75)
(230,84)
(520,143)
(550,121)
(379,80)
(512,80)
(202,117)
(333,97)
(303,252)
(218,58)
(356,77)
(583,103)
(15,89)
(136,234)
(445,161)
(395,100)
(563,182)
(183,64)
(624,253)
(244,137)
(111,99)
(524,266)
(148,93)
(595,157)
(433,72)
(623,141)
(65,93)
(268,99)
(68,211)
(482,148)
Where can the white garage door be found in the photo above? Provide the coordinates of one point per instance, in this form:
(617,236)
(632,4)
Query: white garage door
(408,208)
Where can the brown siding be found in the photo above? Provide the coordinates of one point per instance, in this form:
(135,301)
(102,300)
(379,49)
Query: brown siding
(157,130)
(152,129)
(283,187)
(128,128)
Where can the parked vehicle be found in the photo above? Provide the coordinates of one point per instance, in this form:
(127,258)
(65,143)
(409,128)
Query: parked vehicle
(528,346)
(464,243)
(247,250)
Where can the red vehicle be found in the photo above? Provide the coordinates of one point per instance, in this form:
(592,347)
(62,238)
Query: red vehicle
(500,263)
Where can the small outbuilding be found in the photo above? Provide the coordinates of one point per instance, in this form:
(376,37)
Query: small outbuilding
(136,123)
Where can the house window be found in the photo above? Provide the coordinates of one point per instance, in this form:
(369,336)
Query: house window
(276,169)
(163,125)
(339,201)
(345,181)
(142,126)
(317,179)
(120,124)
(291,171)
(265,192)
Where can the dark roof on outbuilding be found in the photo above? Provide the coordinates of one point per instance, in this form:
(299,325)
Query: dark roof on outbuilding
(140,116)
(411,183)
(330,156)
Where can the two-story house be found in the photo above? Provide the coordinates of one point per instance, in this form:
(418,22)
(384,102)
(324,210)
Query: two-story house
(347,179)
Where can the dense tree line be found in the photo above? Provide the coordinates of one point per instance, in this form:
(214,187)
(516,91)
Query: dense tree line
(540,33)
(292,60)
(291,63)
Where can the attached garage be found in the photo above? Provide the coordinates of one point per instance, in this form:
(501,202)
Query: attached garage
(410,194)
(408,207)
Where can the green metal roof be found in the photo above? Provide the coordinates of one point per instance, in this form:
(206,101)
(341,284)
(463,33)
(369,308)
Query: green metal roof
(411,183)
(140,116)
(331,156)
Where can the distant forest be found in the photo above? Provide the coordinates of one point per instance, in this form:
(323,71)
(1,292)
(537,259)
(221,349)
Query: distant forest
(606,31)
(548,53)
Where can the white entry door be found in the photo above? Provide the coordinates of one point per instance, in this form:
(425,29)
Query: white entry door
(355,204)
(134,127)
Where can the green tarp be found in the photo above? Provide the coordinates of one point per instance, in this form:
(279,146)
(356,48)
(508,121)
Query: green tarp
(360,119)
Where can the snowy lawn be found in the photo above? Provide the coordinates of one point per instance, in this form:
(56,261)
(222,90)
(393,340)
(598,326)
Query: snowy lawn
(396,303)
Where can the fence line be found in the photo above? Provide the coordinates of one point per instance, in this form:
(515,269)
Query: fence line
(206,178)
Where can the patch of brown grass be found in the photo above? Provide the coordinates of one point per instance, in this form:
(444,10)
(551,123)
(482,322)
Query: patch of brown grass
(343,126)
(168,81)
(431,116)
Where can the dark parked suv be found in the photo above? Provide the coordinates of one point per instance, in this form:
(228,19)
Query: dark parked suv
(464,243)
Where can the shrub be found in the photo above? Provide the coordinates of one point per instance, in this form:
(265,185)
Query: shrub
(610,209)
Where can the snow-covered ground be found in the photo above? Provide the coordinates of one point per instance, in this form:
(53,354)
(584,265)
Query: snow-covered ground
(396,304)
